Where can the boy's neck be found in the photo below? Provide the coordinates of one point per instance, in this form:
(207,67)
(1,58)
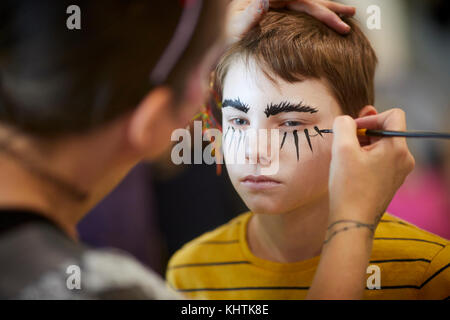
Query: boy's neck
(289,237)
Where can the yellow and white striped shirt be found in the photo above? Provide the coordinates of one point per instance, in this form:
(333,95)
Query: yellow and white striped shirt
(414,264)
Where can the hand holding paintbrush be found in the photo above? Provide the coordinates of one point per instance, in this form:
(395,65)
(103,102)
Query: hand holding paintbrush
(362,182)
(375,160)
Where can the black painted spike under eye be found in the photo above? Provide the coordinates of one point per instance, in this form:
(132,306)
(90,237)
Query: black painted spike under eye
(282,141)
(232,136)
(296,142)
(225,136)
(308,139)
(240,138)
(318,131)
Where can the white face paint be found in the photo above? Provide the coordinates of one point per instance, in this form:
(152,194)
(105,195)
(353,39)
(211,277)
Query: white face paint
(253,102)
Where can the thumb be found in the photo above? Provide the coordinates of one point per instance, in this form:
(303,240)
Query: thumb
(344,135)
(243,15)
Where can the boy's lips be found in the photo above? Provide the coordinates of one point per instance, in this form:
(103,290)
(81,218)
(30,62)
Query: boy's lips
(259,182)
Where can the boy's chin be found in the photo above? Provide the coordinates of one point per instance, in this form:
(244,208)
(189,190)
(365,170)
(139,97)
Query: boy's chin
(265,207)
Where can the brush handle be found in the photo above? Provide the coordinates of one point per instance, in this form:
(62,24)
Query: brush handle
(411,134)
(406,134)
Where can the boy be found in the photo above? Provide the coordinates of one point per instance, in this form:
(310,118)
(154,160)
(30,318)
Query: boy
(293,74)
(57,115)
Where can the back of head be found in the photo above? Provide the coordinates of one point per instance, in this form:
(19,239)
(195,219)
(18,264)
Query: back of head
(56,81)
(295,46)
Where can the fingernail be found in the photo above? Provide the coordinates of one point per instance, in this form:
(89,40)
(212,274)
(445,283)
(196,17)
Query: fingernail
(345,26)
(264,5)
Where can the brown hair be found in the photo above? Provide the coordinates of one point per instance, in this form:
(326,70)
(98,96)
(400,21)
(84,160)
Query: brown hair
(295,46)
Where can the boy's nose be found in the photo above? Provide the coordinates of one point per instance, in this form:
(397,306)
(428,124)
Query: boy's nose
(258,148)
(257,158)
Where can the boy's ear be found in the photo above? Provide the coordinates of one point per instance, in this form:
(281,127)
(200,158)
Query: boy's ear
(152,123)
(367,111)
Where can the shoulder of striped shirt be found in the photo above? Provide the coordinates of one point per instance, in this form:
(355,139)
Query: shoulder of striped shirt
(225,234)
(399,231)
(391,229)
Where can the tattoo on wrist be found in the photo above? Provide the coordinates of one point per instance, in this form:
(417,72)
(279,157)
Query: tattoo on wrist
(353,224)
(356,225)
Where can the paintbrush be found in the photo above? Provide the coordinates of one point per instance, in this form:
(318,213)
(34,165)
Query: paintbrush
(406,134)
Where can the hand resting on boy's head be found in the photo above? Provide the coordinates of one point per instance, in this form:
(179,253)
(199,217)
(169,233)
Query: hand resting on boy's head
(243,14)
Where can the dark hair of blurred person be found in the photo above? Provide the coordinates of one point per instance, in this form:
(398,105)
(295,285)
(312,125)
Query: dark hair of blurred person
(78,109)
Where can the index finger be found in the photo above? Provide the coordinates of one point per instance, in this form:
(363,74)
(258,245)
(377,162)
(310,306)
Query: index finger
(393,119)
(326,11)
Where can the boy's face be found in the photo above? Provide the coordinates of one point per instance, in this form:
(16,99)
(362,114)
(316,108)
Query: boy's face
(251,101)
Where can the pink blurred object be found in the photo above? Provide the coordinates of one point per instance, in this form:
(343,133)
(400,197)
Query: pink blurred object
(424,201)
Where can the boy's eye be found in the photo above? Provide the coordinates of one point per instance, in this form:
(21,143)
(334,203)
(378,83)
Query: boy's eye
(239,121)
(292,123)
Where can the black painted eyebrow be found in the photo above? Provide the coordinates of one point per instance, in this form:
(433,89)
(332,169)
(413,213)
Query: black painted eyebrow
(235,103)
(276,108)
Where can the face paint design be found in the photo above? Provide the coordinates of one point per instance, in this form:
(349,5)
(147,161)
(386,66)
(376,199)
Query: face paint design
(240,135)
(296,143)
(225,136)
(308,139)
(272,110)
(318,131)
(308,136)
(240,138)
(276,108)
(232,136)
(284,138)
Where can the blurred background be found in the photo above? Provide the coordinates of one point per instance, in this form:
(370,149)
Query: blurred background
(160,206)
